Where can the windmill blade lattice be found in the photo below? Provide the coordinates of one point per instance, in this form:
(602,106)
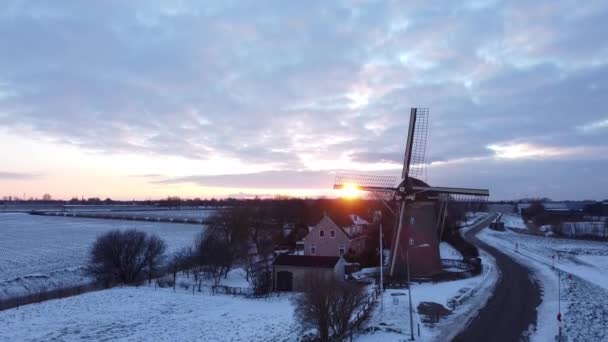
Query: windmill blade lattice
(417,168)
(365,182)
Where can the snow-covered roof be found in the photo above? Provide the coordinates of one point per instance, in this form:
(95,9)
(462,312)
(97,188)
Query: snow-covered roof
(306,261)
(358,220)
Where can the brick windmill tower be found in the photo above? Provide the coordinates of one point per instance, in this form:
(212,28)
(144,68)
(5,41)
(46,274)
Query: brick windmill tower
(415,205)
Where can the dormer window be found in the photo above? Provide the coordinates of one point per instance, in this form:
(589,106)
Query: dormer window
(332,233)
(321,233)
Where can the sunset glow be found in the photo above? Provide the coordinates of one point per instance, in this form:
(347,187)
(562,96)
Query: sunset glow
(350,191)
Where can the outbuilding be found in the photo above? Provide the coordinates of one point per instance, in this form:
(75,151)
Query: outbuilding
(289,271)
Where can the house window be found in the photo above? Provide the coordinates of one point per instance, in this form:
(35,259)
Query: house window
(412,220)
(321,233)
(313,250)
(332,233)
(342,250)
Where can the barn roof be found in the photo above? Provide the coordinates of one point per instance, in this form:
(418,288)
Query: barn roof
(306,261)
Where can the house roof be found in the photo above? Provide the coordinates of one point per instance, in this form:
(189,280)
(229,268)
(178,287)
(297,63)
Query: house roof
(327,223)
(358,220)
(306,261)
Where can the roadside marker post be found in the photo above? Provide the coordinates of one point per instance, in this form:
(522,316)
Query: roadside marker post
(559,304)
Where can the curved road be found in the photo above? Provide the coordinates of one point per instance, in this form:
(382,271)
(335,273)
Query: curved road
(511,309)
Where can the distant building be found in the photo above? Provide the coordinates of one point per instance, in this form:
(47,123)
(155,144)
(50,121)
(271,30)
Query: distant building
(288,228)
(357,225)
(554,206)
(598,229)
(289,271)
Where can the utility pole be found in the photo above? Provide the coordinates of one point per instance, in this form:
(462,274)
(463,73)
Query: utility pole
(409,290)
(381,262)
(409,284)
(559,303)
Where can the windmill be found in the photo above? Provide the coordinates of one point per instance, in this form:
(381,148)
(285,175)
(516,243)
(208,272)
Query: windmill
(418,225)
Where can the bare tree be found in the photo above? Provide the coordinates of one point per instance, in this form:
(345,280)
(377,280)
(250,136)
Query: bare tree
(123,256)
(154,254)
(260,278)
(230,226)
(313,306)
(180,261)
(214,255)
(328,304)
(346,298)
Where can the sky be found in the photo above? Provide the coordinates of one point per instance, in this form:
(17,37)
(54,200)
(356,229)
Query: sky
(146,99)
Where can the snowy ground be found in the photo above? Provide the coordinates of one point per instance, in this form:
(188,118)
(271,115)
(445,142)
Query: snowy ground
(448,252)
(149,314)
(584,294)
(389,320)
(513,221)
(471,218)
(236,278)
(42,252)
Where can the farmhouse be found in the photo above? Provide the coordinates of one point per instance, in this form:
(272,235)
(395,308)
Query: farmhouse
(289,271)
(326,238)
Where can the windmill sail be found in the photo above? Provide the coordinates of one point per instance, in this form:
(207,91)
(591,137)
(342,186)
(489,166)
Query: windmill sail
(365,182)
(415,150)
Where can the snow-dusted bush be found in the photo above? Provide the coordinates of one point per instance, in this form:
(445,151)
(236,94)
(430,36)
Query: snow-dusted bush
(125,257)
(165,282)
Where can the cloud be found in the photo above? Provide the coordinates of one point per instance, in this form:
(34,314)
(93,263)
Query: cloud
(521,151)
(16,176)
(148,175)
(266,180)
(594,126)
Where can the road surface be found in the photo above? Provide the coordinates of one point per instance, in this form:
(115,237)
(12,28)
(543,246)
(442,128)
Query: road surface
(511,309)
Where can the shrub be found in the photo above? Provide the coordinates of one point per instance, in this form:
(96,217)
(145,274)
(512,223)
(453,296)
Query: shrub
(125,257)
(165,282)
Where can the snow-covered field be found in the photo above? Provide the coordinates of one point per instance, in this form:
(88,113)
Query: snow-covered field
(43,253)
(149,314)
(584,294)
(586,259)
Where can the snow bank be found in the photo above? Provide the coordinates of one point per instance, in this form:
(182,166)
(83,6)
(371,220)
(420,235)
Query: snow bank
(448,252)
(472,218)
(513,221)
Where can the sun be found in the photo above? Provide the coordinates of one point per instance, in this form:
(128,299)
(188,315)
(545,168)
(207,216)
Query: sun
(350,191)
